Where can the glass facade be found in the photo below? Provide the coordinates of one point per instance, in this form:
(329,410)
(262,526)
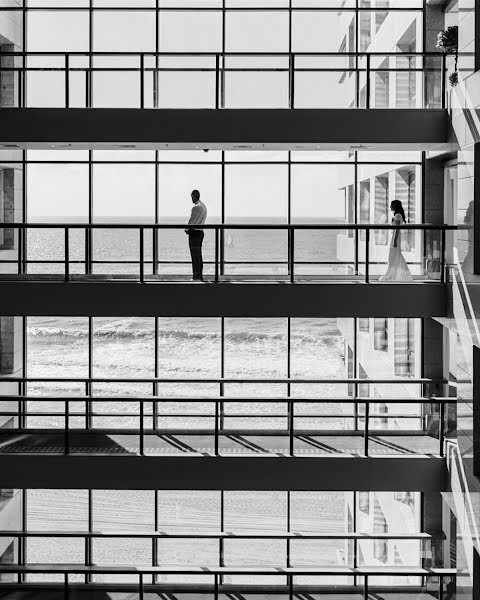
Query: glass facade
(155,387)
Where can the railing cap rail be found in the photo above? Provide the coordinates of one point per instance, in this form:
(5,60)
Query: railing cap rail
(214,54)
(227,399)
(213,570)
(220,226)
(7,378)
(220,534)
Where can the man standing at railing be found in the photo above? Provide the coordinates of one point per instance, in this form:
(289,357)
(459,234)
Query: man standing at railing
(195,236)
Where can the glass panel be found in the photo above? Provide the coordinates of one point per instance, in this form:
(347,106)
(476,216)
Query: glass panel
(57,192)
(255,348)
(57,31)
(257,31)
(307,25)
(261,192)
(193,31)
(128,31)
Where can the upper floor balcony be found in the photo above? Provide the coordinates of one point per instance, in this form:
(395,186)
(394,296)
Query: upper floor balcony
(268,100)
(227,80)
(102,261)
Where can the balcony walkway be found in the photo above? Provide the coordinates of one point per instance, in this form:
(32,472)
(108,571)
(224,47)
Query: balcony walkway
(234,442)
(330,297)
(262,129)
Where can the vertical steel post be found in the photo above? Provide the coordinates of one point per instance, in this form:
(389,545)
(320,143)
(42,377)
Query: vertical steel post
(19,253)
(367,255)
(217,254)
(367,86)
(443,260)
(290,427)
(217,81)
(443,81)
(67,255)
(67,427)
(142,437)
(291,253)
(291,81)
(365,440)
(142,80)
(67,80)
(142,274)
(441,427)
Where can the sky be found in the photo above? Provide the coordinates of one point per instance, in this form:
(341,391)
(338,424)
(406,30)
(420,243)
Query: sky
(128,190)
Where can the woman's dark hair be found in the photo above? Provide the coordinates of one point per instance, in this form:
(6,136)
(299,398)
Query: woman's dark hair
(397,207)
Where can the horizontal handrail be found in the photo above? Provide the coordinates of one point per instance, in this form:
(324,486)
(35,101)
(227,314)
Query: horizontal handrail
(241,535)
(149,97)
(365,246)
(363,422)
(399,381)
(227,53)
(213,570)
(226,226)
(227,399)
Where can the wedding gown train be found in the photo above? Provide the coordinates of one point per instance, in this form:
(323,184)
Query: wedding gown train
(397,269)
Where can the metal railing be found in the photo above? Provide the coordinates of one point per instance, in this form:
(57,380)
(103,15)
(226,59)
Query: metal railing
(429,242)
(362,581)
(80,72)
(427,552)
(153,420)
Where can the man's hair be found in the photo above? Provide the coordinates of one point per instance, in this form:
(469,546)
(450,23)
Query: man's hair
(196,195)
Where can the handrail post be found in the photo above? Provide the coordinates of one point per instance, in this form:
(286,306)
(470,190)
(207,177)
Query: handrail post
(20,248)
(442,263)
(291,253)
(155,250)
(217,81)
(217,254)
(67,255)
(365,434)
(443,81)
(367,255)
(356,238)
(441,427)
(142,440)
(222,83)
(355,408)
(140,585)
(367,84)
(67,80)
(65,586)
(290,428)
(142,274)
(216,444)
(142,80)
(67,427)
(291,81)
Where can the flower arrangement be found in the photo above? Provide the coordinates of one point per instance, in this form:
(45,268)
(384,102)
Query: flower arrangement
(447,40)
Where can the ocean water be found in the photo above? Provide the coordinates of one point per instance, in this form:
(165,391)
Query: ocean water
(117,250)
(186,348)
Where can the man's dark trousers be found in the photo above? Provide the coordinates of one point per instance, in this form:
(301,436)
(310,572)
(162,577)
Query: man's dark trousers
(195,240)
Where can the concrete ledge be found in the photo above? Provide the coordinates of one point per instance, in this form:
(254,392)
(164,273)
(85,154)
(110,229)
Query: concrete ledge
(101,127)
(116,299)
(211,473)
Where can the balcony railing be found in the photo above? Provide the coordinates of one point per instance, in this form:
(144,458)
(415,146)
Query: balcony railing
(214,80)
(353,550)
(154,252)
(341,582)
(287,426)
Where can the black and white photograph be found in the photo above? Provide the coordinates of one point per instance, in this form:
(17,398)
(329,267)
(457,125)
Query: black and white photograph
(239,345)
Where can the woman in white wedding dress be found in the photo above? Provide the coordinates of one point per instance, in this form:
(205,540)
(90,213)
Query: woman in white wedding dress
(397,269)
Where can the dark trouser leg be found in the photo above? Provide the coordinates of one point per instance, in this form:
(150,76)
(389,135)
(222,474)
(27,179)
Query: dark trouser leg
(195,239)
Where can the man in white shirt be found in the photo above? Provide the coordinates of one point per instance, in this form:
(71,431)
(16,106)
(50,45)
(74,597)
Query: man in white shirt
(195,236)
